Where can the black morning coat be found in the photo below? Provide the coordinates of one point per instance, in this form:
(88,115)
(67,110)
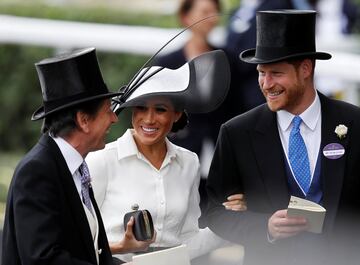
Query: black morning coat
(249,158)
(45,222)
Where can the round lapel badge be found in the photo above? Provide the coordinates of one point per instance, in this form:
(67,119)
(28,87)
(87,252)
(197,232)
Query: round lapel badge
(333,151)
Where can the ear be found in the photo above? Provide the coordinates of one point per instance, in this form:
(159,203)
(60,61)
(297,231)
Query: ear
(82,121)
(306,68)
(177,115)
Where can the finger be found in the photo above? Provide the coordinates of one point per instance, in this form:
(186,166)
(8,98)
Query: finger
(282,231)
(234,202)
(131,221)
(238,208)
(280,214)
(293,221)
(285,235)
(235,197)
(291,229)
(129,225)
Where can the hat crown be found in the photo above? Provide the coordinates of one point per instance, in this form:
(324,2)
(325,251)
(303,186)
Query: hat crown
(282,35)
(286,29)
(69,75)
(70,79)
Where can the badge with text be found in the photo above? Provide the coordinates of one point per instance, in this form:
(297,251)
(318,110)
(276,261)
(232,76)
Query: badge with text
(333,151)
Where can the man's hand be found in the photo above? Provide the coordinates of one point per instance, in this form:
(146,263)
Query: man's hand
(129,242)
(281,226)
(235,202)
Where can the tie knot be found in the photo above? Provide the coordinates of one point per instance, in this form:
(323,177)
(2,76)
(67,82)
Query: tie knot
(84,173)
(296,122)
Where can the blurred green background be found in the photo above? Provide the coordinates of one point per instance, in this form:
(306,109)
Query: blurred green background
(20,92)
(19,87)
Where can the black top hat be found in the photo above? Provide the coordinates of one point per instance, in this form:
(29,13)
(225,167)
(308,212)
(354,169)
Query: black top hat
(282,35)
(198,86)
(68,80)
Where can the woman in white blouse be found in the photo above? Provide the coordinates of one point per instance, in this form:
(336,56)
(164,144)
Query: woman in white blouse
(143,167)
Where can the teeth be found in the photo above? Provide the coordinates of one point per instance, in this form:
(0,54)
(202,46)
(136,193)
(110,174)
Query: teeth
(149,129)
(274,93)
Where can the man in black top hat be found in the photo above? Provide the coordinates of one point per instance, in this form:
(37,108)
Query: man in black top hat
(300,143)
(51,216)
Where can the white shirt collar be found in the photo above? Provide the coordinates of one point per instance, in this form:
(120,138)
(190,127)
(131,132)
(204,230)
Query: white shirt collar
(126,147)
(310,116)
(72,157)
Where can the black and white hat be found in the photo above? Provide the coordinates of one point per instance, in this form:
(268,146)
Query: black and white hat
(198,86)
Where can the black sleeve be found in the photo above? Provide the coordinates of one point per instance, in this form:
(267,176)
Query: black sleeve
(224,180)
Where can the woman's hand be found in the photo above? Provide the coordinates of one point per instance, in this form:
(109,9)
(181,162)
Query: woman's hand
(235,202)
(129,243)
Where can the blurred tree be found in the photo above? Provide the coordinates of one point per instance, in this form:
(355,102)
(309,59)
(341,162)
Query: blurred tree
(20,92)
(19,95)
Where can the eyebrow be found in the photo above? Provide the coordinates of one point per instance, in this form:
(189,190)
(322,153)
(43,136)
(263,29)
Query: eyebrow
(162,105)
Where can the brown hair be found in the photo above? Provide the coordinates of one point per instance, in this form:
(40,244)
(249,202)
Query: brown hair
(297,61)
(187,5)
(63,122)
(181,123)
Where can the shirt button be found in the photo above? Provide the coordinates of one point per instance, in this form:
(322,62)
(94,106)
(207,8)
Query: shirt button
(162,202)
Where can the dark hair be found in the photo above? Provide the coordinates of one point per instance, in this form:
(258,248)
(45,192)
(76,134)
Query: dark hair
(62,122)
(187,5)
(181,123)
(298,60)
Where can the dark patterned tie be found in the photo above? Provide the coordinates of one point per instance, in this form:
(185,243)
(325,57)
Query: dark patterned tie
(298,156)
(85,184)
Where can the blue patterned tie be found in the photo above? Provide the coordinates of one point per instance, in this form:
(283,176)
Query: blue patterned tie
(298,156)
(85,184)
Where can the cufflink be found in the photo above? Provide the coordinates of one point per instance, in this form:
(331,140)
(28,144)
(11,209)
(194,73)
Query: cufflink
(100,251)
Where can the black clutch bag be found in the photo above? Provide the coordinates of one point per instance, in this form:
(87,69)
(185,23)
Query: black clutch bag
(143,228)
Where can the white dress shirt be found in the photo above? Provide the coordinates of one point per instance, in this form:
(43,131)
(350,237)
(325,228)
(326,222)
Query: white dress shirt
(122,176)
(73,160)
(310,130)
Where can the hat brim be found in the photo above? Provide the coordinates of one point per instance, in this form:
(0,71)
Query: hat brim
(248,56)
(198,86)
(40,112)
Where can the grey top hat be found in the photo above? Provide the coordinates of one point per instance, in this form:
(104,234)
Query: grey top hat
(282,35)
(68,80)
(198,86)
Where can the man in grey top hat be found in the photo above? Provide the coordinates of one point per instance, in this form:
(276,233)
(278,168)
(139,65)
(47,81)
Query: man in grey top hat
(51,215)
(299,143)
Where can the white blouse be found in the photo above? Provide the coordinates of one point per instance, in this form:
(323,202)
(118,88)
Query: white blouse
(122,176)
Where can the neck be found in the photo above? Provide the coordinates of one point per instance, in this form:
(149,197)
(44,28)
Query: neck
(306,100)
(77,141)
(154,153)
(196,46)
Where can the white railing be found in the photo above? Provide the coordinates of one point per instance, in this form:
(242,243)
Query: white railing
(62,35)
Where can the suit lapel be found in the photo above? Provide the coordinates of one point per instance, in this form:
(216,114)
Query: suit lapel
(74,201)
(332,170)
(270,158)
(103,244)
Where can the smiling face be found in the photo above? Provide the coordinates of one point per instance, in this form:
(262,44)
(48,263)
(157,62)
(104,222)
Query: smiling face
(200,9)
(152,121)
(287,86)
(99,126)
